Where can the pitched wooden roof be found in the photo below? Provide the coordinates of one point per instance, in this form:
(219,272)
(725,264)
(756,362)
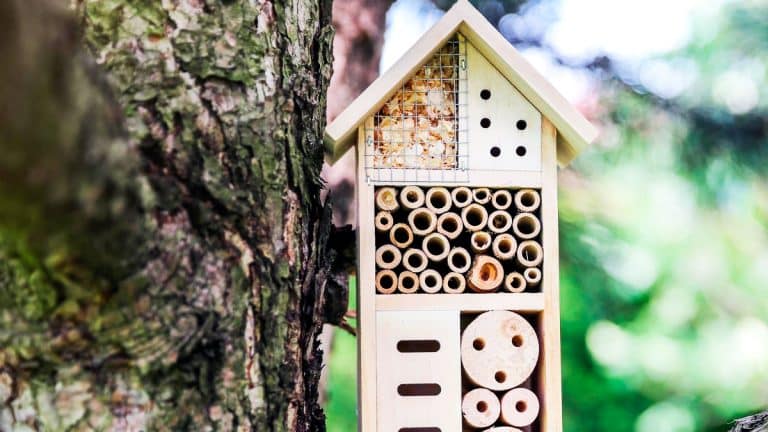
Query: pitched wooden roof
(575,131)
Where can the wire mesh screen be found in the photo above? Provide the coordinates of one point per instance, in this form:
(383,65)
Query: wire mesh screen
(418,134)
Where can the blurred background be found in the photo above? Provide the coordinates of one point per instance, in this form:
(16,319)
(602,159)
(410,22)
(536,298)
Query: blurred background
(663,221)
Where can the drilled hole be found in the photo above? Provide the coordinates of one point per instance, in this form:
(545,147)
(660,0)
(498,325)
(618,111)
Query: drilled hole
(482,406)
(517,341)
(485,94)
(495,151)
(418,389)
(521,124)
(521,406)
(418,345)
(478,344)
(521,151)
(500,377)
(485,122)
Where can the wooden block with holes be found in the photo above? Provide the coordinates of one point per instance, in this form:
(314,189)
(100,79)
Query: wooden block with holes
(457,150)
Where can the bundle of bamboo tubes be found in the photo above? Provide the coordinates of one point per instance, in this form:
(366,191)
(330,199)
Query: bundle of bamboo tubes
(452,240)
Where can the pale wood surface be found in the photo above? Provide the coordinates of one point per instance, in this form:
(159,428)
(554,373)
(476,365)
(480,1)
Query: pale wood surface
(499,350)
(503,109)
(551,399)
(366,298)
(519,407)
(497,178)
(469,302)
(576,131)
(480,407)
(395,368)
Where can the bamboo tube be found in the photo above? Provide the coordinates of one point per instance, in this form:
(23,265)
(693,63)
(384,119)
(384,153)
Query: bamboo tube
(504,247)
(401,235)
(502,199)
(499,350)
(481,195)
(499,221)
(514,282)
(486,274)
(436,247)
(388,257)
(459,260)
(438,200)
(454,283)
(422,221)
(480,241)
(384,221)
(449,224)
(474,216)
(532,276)
(415,260)
(462,196)
(408,282)
(412,197)
(481,408)
(526,226)
(386,199)
(529,253)
(527,200)
(430,281)
(386,282)
(519,407)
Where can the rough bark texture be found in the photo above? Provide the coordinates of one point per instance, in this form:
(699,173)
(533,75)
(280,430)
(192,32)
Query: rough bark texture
(163,261)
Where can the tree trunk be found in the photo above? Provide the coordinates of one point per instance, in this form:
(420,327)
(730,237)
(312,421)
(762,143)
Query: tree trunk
(163,257)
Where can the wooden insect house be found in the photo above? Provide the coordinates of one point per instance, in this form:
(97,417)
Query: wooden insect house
(458,302)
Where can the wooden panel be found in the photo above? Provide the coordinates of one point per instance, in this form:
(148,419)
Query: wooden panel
(521,302)
(400,373)
(551,416)
(496,109)
(366,345)
(489,178)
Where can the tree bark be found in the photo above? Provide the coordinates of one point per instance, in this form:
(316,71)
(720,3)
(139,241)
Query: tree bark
(163,248)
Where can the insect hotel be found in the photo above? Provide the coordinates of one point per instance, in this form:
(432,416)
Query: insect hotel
(457,149)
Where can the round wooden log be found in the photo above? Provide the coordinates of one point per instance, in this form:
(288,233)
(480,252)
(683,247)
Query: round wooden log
(504,247)
(527,200)
(474,216)
(480,241)
(449,224)
(459,260)
(431,281)
(408,282)
(462,196)
(401,235)
(383,221)
(481,195)
(514,282)
(486,274)
(386,199)
(532,276)
(415,260)
(436,247)
(519,407)
(499,350)
(499,221)
(481,408)
(529,253)
(386,282)
(501,199)
(422,221)
(388,257)
(526,226)
(454,283)
(438,200)
(412,197)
